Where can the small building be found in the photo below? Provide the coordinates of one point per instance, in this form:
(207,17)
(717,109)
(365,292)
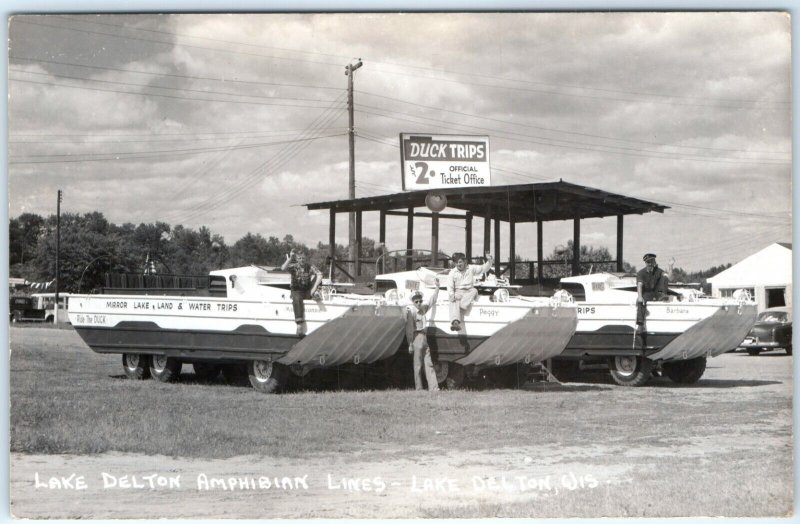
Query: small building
(767,275)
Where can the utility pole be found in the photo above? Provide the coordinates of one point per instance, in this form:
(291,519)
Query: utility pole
(58,255)
(348,71)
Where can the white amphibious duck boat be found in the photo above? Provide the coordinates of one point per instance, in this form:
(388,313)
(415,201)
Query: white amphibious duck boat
(252,322)
(678,334)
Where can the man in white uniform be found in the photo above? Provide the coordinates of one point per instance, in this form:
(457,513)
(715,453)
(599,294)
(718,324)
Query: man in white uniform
(461,286)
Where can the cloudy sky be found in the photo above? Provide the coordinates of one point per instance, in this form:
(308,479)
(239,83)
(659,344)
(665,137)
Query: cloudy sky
(235,121)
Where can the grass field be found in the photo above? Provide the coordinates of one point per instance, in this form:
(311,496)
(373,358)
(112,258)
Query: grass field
(720,447)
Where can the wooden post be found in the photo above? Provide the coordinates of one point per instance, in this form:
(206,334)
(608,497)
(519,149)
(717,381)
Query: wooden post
(468,233)
(512,234)
(435,239)
(619,243)
(409,238)
(358,243)
(382,239)
(576,246)
(497,247)
(487,232)
(539,253)
(332,240)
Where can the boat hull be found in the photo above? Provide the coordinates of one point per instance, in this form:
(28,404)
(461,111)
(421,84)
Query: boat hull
(341,330)
(672,331)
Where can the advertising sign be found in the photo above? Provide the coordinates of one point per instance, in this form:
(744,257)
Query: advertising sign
(444,161)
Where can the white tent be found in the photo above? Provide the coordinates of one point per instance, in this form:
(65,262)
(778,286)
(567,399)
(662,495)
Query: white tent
(767,275)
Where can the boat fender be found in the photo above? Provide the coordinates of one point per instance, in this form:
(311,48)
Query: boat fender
(527,359)
(356,359)
(497,360)
(322,360)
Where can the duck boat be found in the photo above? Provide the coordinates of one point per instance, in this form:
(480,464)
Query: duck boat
(677,337)
(247,320)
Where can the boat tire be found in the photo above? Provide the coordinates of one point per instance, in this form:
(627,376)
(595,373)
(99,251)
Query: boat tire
(206,370)
(753,352)
(164,368)
(136,366)
(456,376)
(267,376)
(631,371)
(685,371)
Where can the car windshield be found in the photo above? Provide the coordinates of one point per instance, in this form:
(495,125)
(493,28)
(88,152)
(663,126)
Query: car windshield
(773,316)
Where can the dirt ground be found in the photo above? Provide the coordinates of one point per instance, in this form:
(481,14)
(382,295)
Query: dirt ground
(750,465)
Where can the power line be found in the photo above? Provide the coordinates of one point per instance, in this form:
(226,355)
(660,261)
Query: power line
(376,138)
(173,75)
(161,95)
(173,44)
(159,138)
(568,143)
(280,158)
(572,95)
(138,155)
(148,86)
(462,113)
(231,134)
(437,70)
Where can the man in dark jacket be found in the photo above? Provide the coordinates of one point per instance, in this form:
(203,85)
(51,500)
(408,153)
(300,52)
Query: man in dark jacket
(651,284)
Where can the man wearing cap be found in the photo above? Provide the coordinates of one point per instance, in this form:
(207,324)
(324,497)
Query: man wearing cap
(416,328)
(651,284)
(651,281)
(461,286)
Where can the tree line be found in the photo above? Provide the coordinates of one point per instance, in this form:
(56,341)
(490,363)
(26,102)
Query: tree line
(91,246)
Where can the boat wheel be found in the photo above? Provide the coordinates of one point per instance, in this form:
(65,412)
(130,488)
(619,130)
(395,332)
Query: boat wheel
(629,370)
(164,368)
(266,376)
(136,366)
(685,371)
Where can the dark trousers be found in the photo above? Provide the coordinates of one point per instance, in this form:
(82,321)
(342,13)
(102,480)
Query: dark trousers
(297,304)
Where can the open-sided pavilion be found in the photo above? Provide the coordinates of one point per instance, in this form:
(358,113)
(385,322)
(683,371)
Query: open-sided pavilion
(536,202)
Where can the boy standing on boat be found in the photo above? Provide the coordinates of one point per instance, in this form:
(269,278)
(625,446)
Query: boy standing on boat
(461,286)
(418,339)
(305,281)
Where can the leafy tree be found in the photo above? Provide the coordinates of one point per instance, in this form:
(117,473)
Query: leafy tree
(23,235)
(593,260)
(191,252)
(85,239)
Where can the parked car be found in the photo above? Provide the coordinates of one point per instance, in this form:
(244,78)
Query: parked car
(23,309)
(772,330)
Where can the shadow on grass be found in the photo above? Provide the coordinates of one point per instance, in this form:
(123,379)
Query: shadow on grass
(714,384)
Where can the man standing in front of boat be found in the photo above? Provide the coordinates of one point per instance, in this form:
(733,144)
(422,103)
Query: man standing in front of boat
(461,286)
(305,281)
(418,339)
